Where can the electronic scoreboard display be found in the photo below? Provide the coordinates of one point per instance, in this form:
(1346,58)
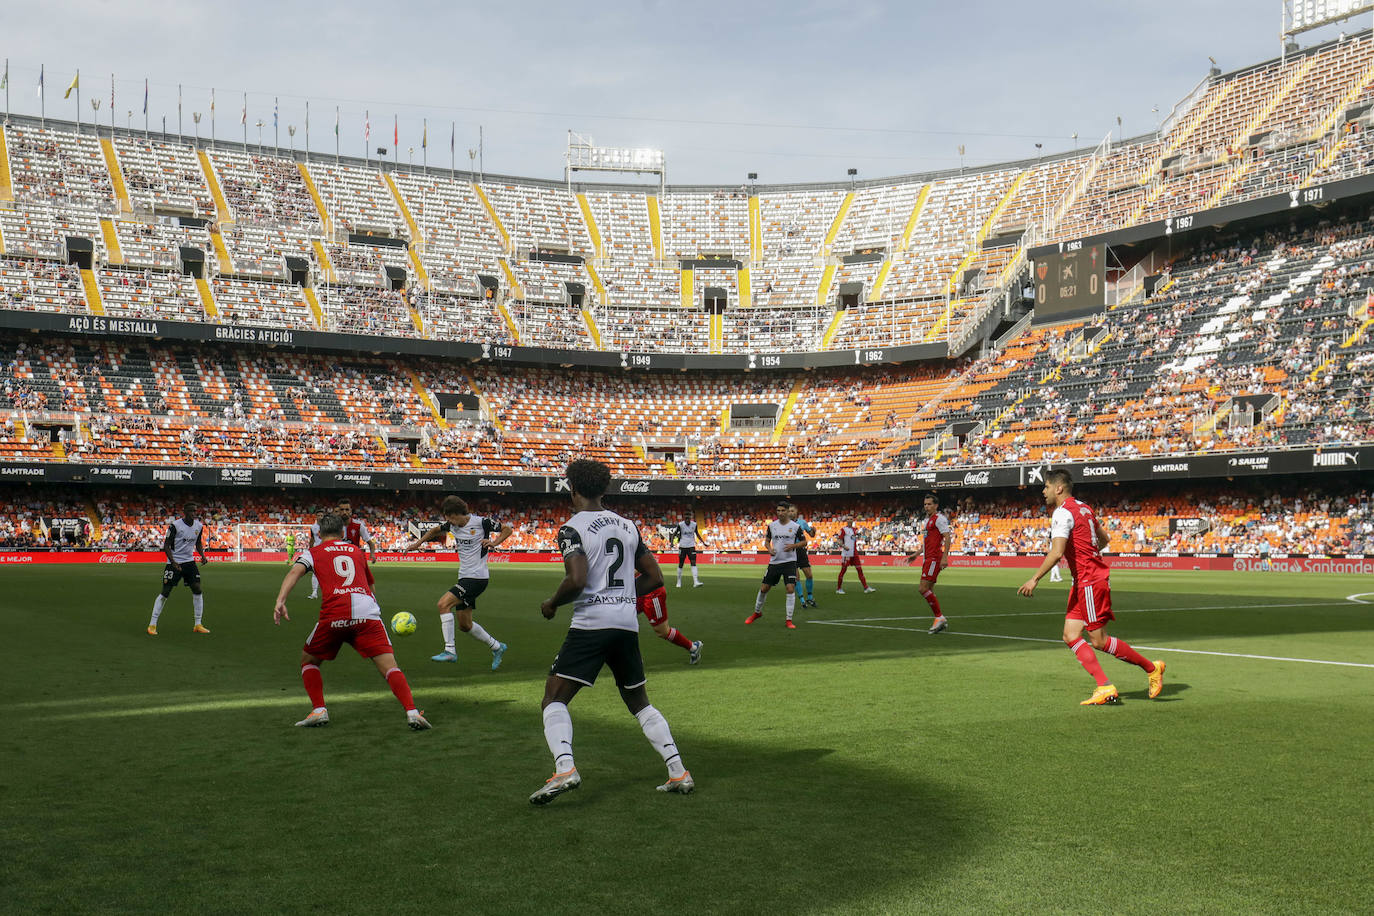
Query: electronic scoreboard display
(1070,282)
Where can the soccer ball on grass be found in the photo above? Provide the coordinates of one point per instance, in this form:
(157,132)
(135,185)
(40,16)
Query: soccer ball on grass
(403,623)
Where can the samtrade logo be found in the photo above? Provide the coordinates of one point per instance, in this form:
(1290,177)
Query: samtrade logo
(425,481)
(703,488)
(634,486)
(1335,459)
(362,480)
(827,485)
(1100,470)
(1255,462)
(293,478)
(116,473)
(1177,467)
(494,482)
(176,476)
(22,472)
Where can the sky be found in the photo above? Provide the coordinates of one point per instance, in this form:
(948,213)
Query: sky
(795,91)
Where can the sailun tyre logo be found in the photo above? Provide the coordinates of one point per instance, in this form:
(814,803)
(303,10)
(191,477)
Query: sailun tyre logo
(494,482)
(977,479)
(634,486)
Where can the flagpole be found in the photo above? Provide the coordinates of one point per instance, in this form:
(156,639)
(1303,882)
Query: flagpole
(452,162)
(424,146)
(336,135)
(244,120)
(112,108)
(178,112)
(42,100)
(276,127)
(212,117)
(78,102)
(145,108)
(307,131)
(7,89)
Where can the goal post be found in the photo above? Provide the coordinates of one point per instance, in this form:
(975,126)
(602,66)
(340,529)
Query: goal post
(251,537)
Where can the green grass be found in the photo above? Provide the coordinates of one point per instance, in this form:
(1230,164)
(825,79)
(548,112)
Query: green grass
(840,769)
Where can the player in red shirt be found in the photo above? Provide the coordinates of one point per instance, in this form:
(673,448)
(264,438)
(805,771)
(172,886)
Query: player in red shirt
(355,530)
(654,607)
(934,556)
(349,613)
(1078,536)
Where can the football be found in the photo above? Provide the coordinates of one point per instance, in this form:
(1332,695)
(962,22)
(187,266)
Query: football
(403,623)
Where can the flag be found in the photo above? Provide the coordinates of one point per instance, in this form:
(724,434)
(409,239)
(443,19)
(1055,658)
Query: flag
(424,137)
(76,84)
(336,120)
(452,135)
(367,126)
(111,95)
(243,118)
(274,112)
(5,82)
(212,103)
(145,97)
(395,131)
(40,81)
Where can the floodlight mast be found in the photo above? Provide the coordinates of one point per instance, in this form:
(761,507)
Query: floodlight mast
(1300,16)
(584,155)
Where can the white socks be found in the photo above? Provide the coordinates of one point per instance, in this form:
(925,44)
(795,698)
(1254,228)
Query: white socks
(314,585)
(198,605)
(679,576)
(446,624)
(558,734)
(758,602)
(791,604)
(656,730)
(158,602)
(695,580)
(483,636)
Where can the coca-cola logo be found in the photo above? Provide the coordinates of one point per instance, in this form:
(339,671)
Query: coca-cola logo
(634,486)
(977,478)
(114,558)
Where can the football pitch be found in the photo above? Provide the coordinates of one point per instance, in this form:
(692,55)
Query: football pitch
(854,765)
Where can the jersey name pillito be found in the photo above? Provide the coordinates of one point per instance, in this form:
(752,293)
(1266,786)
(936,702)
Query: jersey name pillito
(472,556)
(687,534)
(345,581)
(611,545)
(1075,522)
(936,530)
(184,539)
(777,534)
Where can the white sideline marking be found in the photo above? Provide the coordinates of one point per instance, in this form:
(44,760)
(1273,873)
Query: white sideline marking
(1358,595)
(1267,658)
(1133,610)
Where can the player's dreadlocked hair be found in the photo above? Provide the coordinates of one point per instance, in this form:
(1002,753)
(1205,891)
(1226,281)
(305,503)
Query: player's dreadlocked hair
(589,478)
(331,524)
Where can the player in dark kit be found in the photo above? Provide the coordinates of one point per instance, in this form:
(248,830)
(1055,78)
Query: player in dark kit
(184,540)
(601,554)
(804,531)
(1078,536)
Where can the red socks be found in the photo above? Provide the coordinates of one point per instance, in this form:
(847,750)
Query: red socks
(859,571)
(396,680)
(677,639)
(1121,650)
(314,685)
(1088,659)
(933,602)
(839,583)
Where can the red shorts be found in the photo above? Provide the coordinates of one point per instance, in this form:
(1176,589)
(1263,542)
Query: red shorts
(367,637)
(930,568)
(851,561)
(654,606)
(1091,602)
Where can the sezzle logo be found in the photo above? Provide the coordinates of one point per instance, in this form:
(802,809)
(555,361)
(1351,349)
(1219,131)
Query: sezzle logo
(1177,467)
(113,558)
(1257,462)
(703,488)
(977,478)
(236,475)
(425,481)
(22,472)
(291,478)
(176,476)
(827,485)
(116,473)
(1335,459)
(494,482)
(362,480)
(1099,470)
(634,486)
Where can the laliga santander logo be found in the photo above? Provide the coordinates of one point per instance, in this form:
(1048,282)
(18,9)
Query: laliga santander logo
(114,558)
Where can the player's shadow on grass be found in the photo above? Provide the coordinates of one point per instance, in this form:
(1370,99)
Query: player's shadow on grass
(770,828)
(1168,695)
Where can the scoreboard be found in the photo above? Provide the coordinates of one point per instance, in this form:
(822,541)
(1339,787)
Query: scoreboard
(1070,282)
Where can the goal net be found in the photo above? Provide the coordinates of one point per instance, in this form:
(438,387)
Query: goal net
(250,538)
